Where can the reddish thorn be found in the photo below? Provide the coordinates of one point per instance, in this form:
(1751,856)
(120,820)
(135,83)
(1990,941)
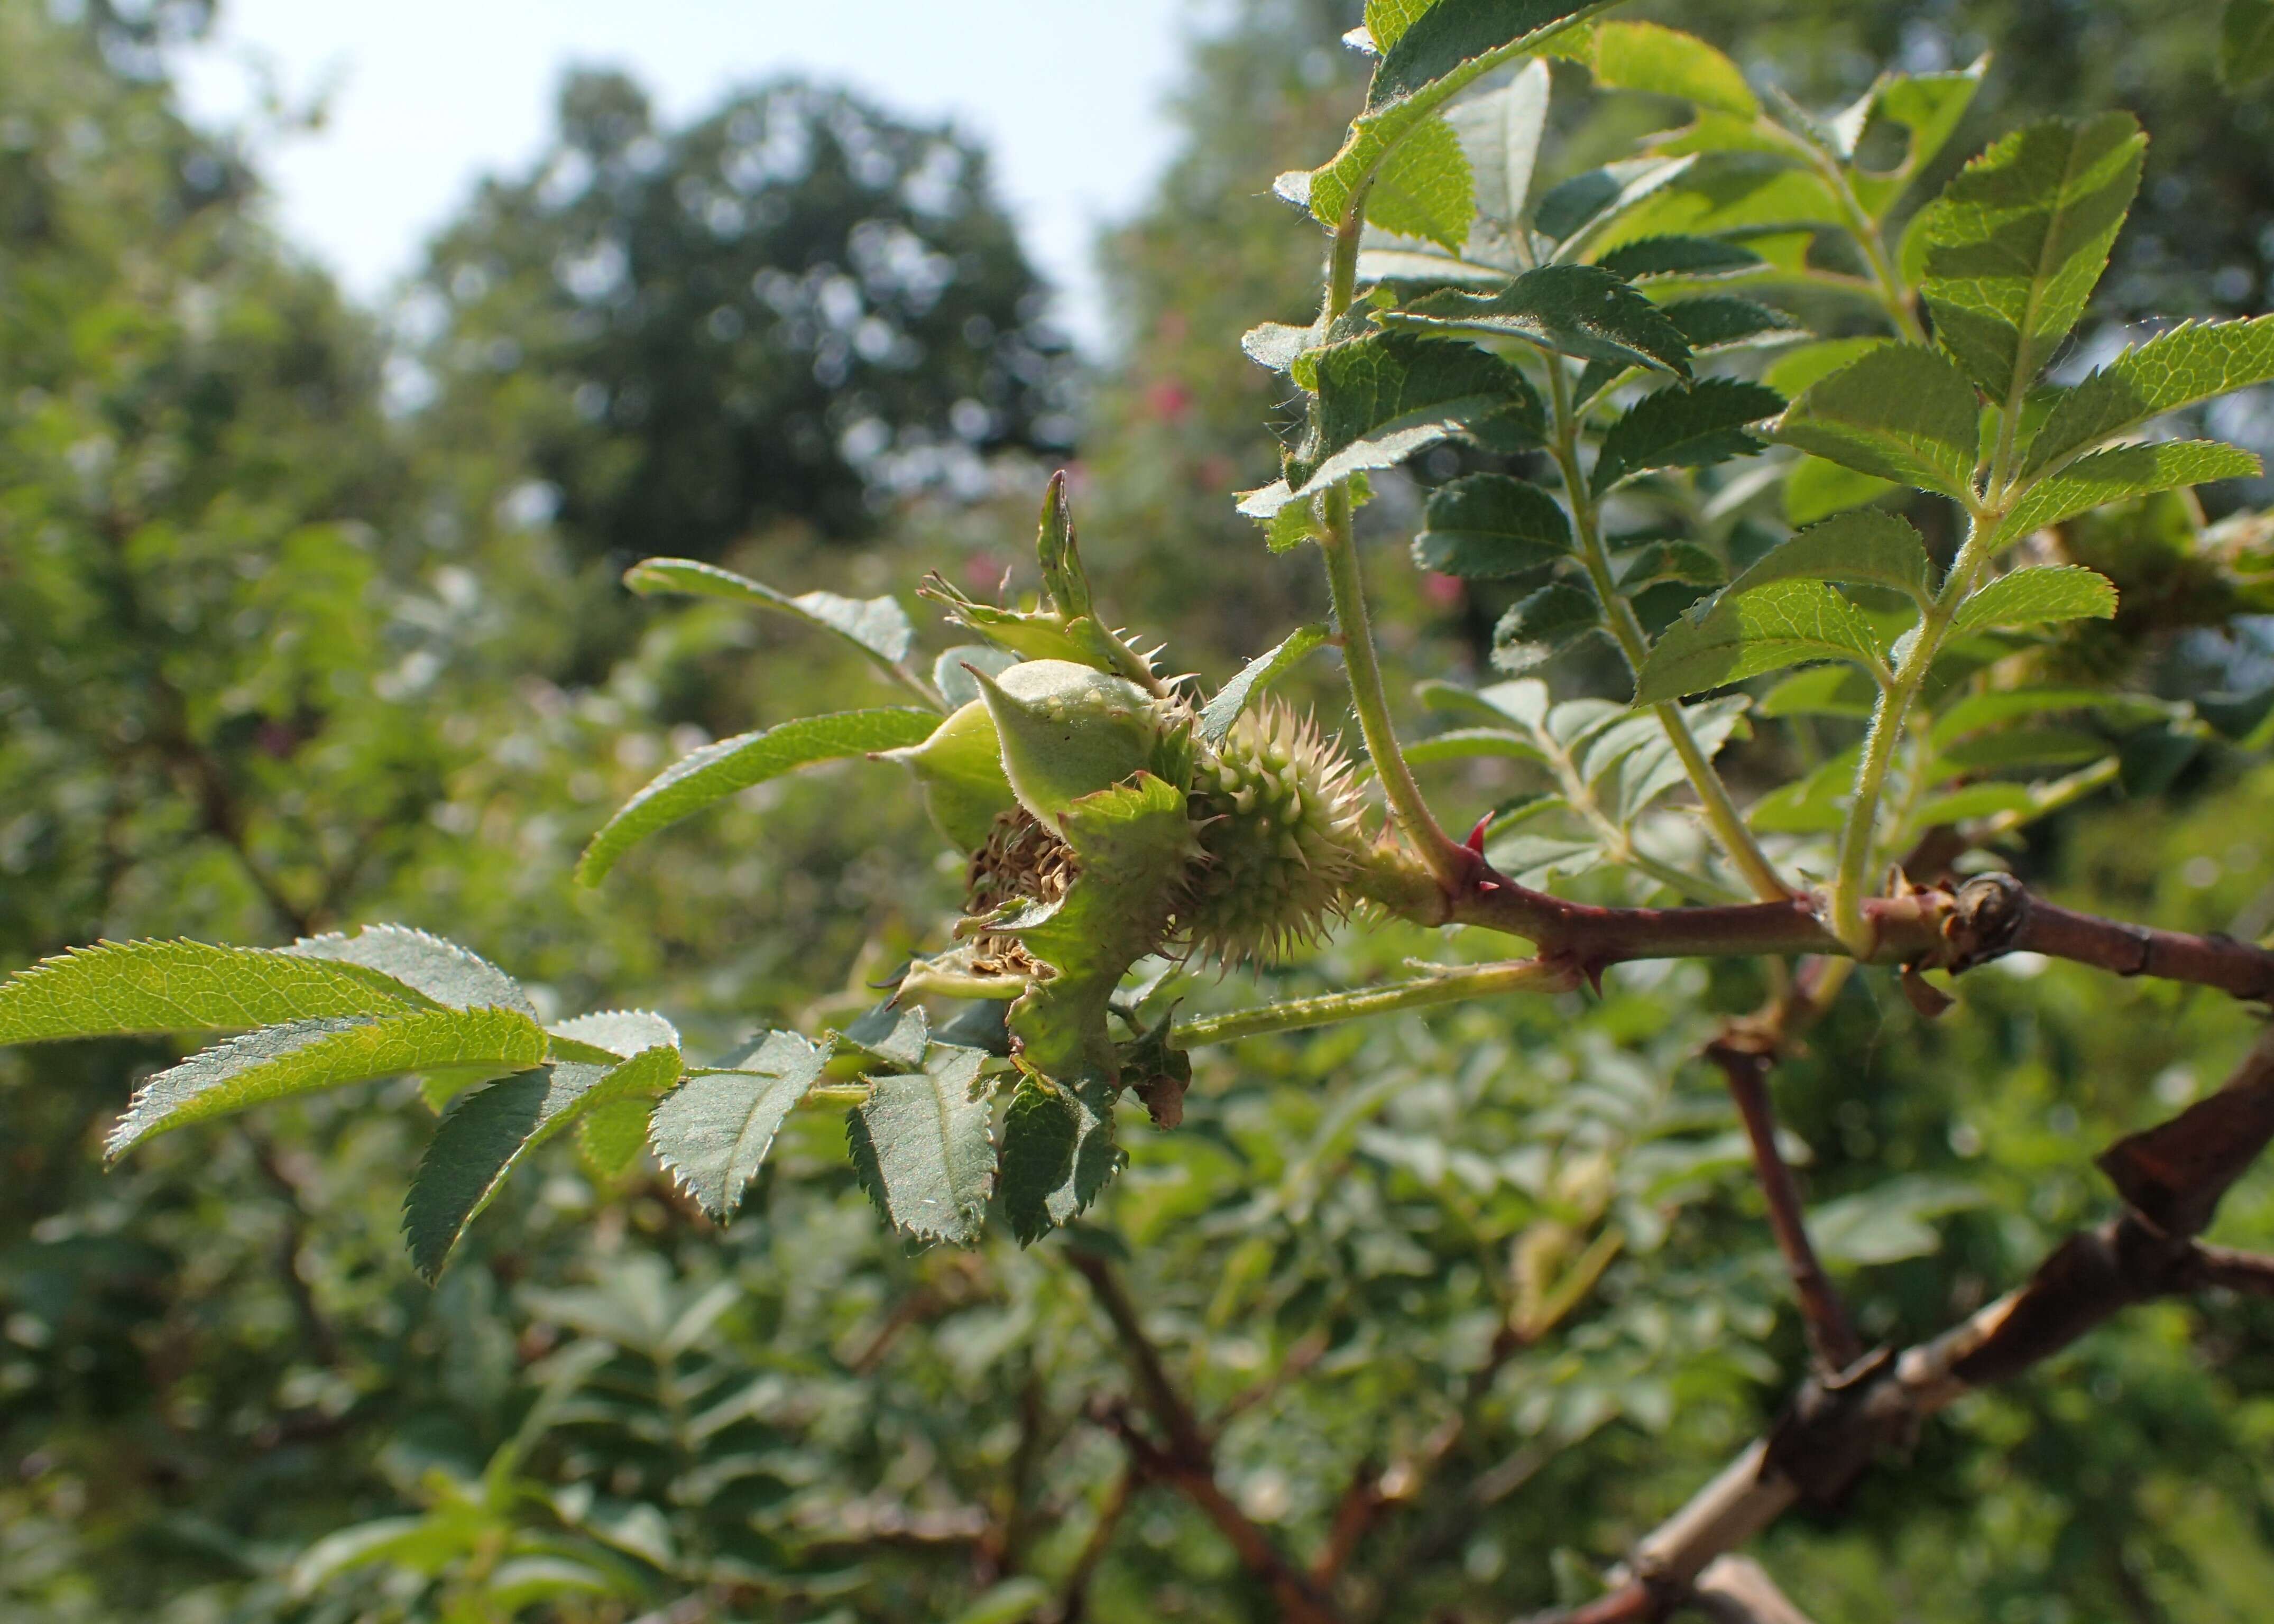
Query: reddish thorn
(1485,887)
(1594,974)
(1476,841)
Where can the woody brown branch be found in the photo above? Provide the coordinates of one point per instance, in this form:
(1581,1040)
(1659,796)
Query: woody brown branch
(1186,1464)
(1957,930)
(2171,1178)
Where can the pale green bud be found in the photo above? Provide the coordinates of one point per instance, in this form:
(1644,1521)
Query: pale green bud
(1068,731)
(960,767)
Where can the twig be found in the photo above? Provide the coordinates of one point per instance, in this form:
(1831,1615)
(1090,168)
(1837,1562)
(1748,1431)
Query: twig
(1187,1463)
(2170,1177)
(1298,1599)
(1737,1590)
(1073,1597)
(1831,1336)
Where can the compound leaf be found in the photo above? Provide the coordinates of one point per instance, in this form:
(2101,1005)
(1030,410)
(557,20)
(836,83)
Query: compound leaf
(1783,623)
(1690,427)
(1900,411)
(712,1132)
(2018,239)
(2038,596)
(1487,527)
(2180,368)
(116,989)
(924,1145)
(703,777)
(302,1055)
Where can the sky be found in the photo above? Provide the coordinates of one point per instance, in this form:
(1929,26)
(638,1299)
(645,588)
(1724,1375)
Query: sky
(424,96)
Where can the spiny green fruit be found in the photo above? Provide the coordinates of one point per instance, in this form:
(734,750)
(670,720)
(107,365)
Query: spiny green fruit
(1069,731)
(960,767)
(1279,819)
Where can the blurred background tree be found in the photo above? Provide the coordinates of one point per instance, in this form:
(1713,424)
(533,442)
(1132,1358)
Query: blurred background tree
(285,645)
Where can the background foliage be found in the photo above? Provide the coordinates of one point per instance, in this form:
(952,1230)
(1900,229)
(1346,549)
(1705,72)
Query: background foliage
(279,651)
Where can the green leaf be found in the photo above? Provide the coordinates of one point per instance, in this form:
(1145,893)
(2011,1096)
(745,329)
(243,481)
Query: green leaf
(703,777)
(1463,40)
(1692,427)
(1487,527)
(1661,561)
(2019,239)
(1815,490)
(1698,258)
(2183,367)
(951,673)
(1999,706)
(1717,323)
(924,1145)
(116,989)
(1015,1600)
(1889,1222)
(302,1055)
(1578,210)
(891,1032)
(1058,1153)
(1440,53)
(2112,475)
(879,626)
(2038,596)
(712,1132)
(1668,63)
(2021,748)
(1928,107)
(1902,412)
(438,970)
(1575,309)
(1823,690)
(1750,193)
(1500,132)
(1656,767)
(489,1133)
(1797,370)
(1783,623)
(2246,42)
(621,1033)
(1469,743)
(1218,715)
(1542,626)
(1384,397)
(1425,188)
(1863,548)
(1387,19)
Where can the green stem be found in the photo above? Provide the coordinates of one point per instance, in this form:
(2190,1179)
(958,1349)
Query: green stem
(1859,835)
(1451,986)
(1887,283)
(1354,623)
(1722,814)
